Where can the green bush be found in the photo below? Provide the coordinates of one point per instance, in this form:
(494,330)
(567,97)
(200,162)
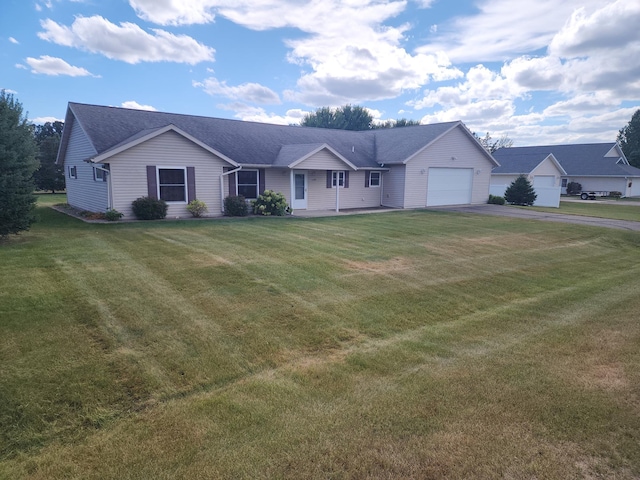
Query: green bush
(147,208)
(520,192)
(271,203)
(574,188)
(113,215)
(615,194)
(235,206)
(197,208)
(496,199)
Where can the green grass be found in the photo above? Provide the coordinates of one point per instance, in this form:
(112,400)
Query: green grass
(596,209)
(403,345)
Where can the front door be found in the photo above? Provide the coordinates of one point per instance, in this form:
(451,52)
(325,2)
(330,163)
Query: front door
(299,190)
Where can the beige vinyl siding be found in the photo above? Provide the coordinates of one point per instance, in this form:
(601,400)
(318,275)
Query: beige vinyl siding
(323,160)
(503,179)
(278,180)
(547,167)
(129,172)
(83,192)
(606,184)
(356,196)
(467,154)
(393,187)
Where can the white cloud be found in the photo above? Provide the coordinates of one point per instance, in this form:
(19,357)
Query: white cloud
(246,92)
(174,12)
(14,41)
(47,65)
(503,29)
(137,106)
(9,91)
(256,114)
(349,52)
(43,120)
(126,42)
(21,66)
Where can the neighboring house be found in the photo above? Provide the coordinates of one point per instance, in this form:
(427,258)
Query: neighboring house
(542,169)
(596,166)
(114,155)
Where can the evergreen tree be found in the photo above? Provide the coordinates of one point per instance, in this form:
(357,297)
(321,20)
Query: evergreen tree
(49,176)
(520,192)
(17,164)
(629,140)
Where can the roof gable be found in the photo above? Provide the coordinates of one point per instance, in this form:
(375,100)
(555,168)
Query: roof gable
(292,155)
(589,159)
(514,162)
(146,135)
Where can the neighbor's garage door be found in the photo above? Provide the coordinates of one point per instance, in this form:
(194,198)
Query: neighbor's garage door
(449,186)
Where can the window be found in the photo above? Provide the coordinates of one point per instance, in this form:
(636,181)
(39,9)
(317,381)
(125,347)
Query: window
(564,183)
(73,172)
(248,183)
(172,185)
(337,177)
(374,179)
(99,174)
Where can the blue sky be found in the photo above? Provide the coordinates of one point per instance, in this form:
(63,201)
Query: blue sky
(540,72)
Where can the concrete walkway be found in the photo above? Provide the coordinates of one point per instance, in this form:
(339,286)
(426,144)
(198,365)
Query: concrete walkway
(497,210)
(514,212)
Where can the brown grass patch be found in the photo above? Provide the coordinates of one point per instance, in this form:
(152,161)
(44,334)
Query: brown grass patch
(381,267)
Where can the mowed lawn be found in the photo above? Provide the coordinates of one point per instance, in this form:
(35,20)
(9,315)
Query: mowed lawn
(591,208)
(414,344)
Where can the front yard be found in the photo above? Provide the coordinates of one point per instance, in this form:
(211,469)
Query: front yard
(418,344)
(595,208)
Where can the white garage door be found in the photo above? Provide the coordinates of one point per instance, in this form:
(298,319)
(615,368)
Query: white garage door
(544,181)
(635,187)
(449,186)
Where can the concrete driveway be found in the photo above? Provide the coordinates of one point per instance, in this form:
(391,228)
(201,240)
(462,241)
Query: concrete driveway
(514,212)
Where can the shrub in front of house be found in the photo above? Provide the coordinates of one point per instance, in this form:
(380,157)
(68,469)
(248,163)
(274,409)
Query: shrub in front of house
(615,194)
(574,188)
(235,206)
(197,208)
(147,208)
(113,215)
(271,203)
(496,199)
(520,192)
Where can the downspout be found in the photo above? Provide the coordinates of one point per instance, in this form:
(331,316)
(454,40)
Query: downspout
(224,174)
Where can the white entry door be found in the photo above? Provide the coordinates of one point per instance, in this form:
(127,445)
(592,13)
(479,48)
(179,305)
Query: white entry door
(299,190)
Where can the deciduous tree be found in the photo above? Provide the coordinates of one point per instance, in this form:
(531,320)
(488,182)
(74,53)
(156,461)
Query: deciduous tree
(629,140)
(49,176)
(492,145)
(17,164)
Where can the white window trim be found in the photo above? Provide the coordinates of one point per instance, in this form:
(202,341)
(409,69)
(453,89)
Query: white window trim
(99,175)
(379,179)
(249,184)
(186,193)
(73,172)
(339,174)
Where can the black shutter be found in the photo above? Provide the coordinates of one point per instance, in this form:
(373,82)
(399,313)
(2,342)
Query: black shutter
(367,178)
(261,181)
(329,178)
(152,183)
(346,179)
(191,184)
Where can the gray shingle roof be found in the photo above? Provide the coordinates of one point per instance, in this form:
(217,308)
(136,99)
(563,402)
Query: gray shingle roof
(514,162)
(577,159)
(251,143)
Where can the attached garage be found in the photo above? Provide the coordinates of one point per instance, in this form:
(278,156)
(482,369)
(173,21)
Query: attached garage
(449,186)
